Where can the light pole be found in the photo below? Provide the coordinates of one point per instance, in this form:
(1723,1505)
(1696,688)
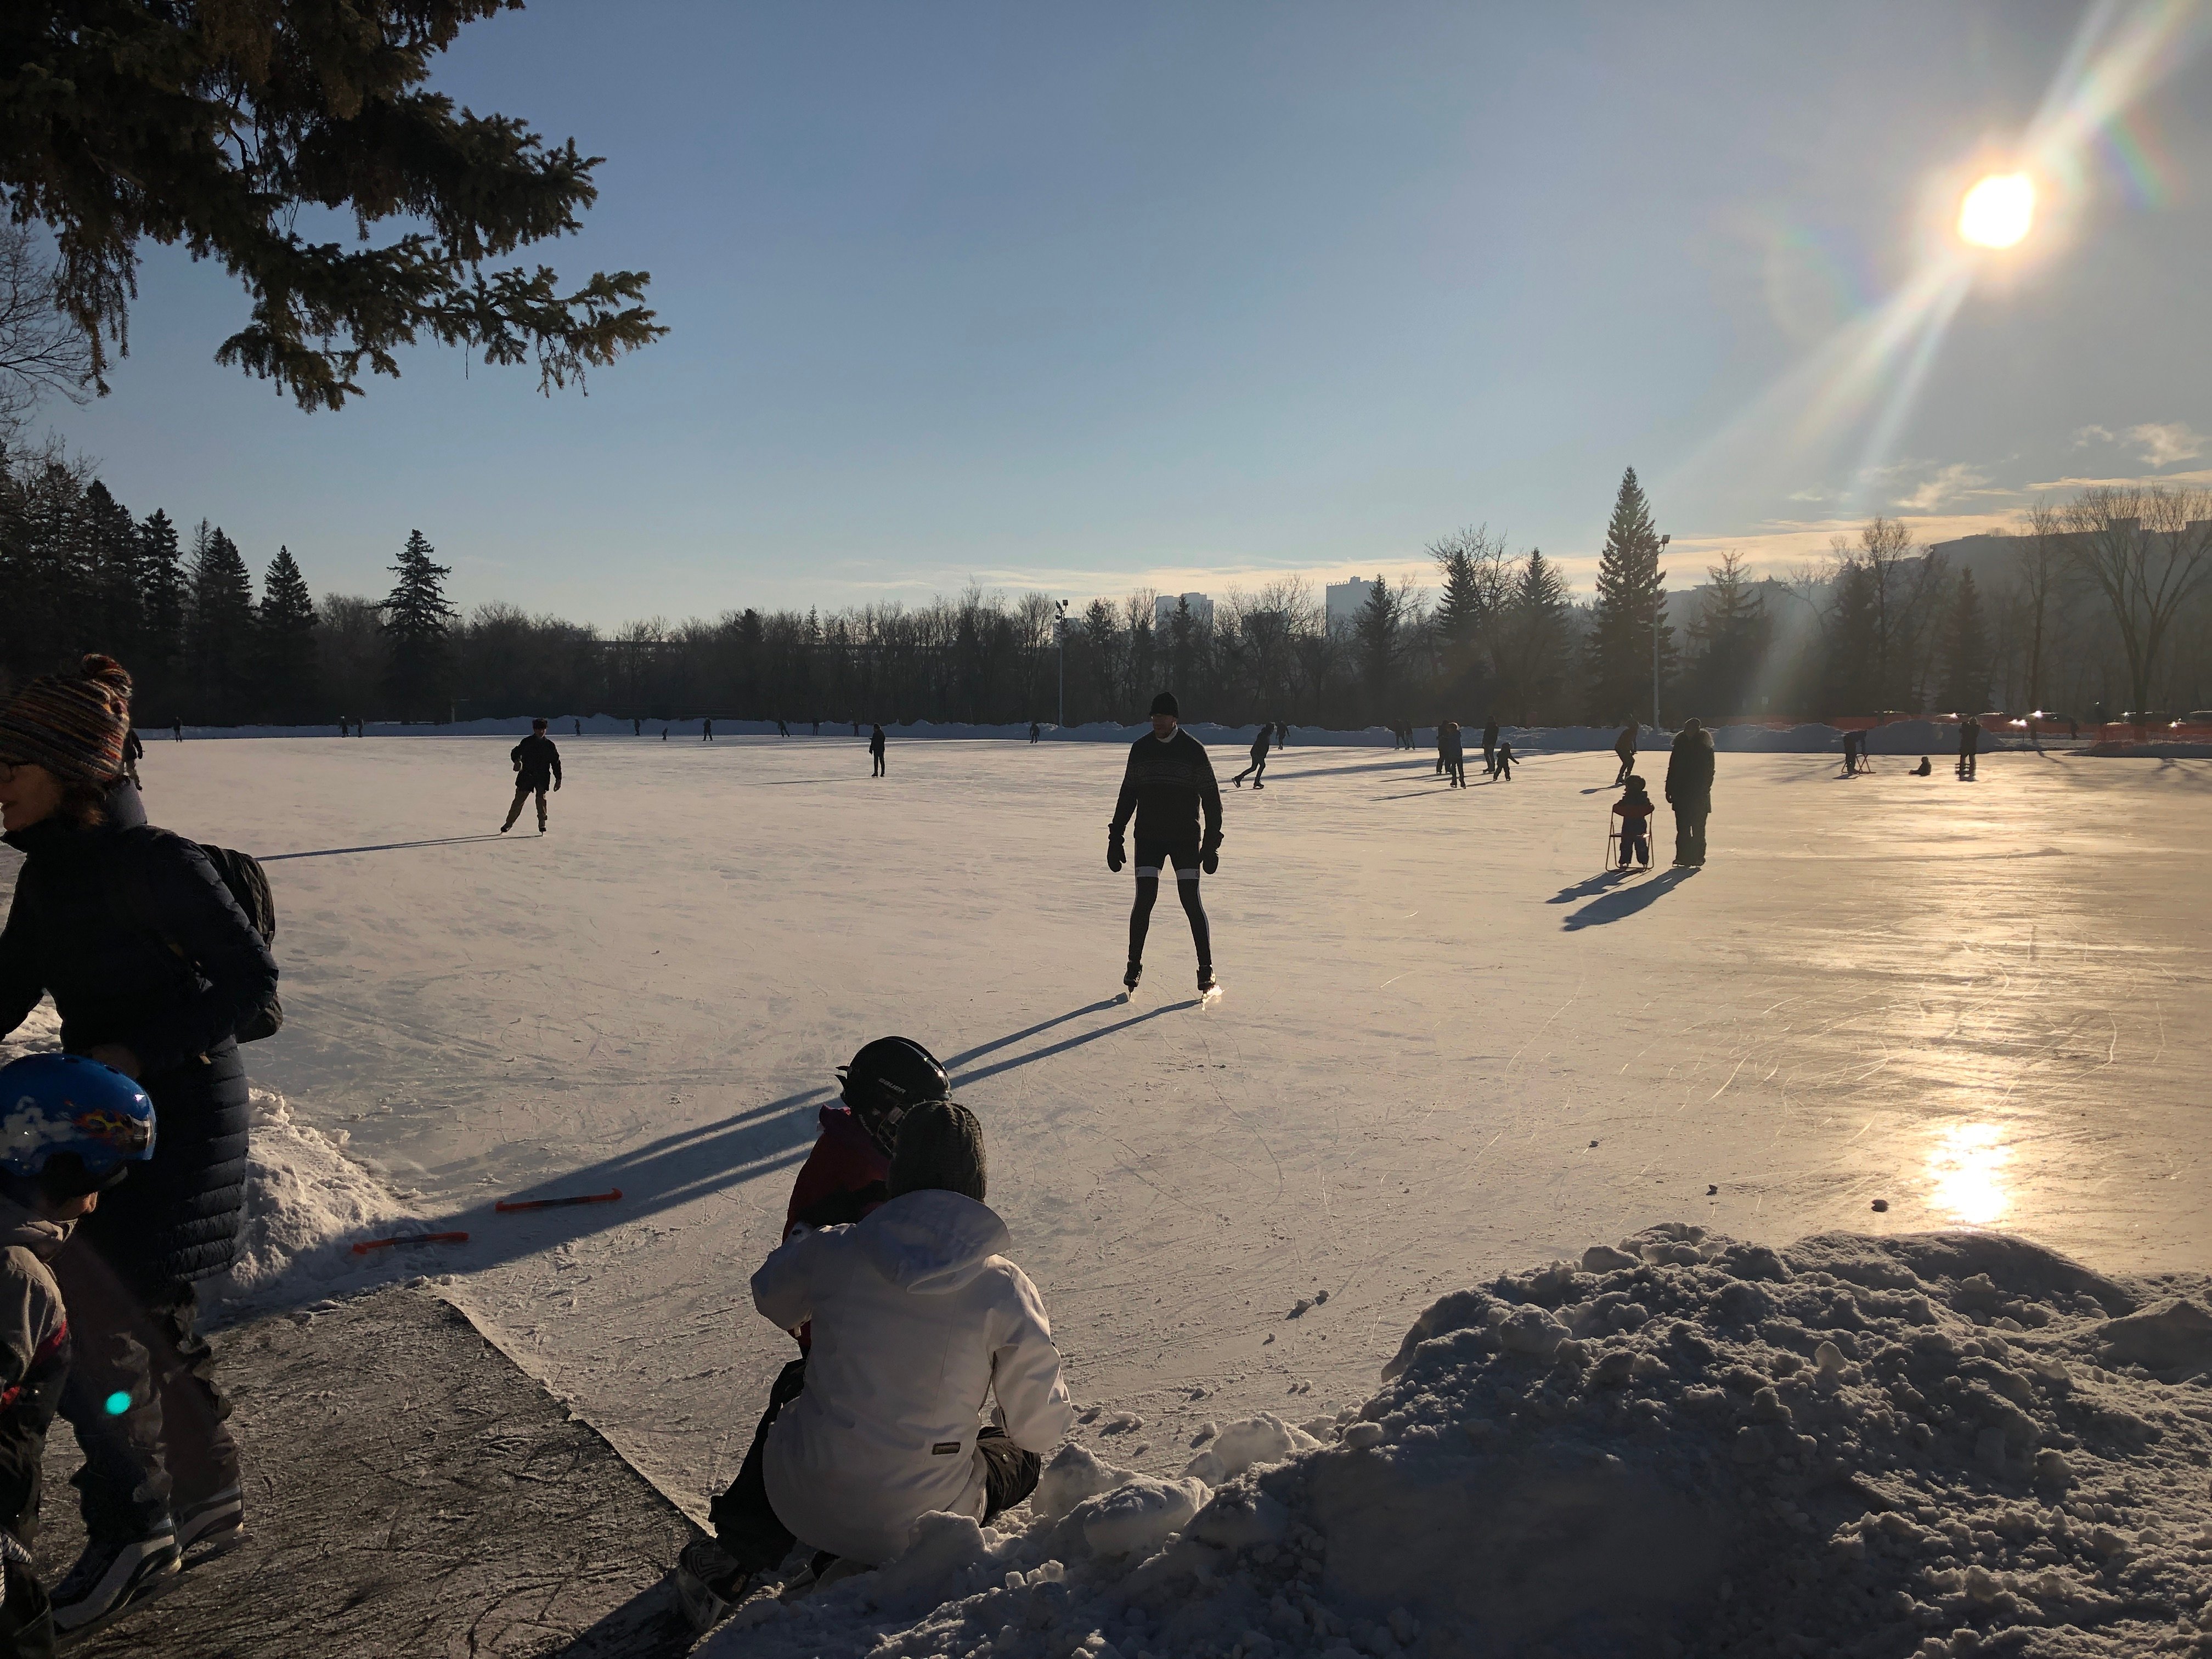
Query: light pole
(1060,638)
(1658,610)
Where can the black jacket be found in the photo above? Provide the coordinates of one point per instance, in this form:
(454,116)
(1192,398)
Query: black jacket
(1690,773)
(1169,786)
(140,944)
(537,762)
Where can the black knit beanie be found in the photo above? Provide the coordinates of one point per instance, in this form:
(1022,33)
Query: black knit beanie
(1166,704)
(940,1145)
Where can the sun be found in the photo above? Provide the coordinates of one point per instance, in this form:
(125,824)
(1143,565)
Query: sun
(1997,212)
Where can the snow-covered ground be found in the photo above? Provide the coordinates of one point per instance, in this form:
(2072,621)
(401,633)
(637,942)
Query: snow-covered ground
(1451,1045)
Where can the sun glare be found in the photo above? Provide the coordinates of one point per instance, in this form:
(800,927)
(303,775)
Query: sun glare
(1997,211)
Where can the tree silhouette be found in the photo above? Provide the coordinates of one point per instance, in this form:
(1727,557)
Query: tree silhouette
(416,620)
(1631,588)
(286,664)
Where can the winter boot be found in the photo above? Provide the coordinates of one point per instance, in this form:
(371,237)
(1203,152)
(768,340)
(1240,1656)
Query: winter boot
(709,1582)
(112,1575)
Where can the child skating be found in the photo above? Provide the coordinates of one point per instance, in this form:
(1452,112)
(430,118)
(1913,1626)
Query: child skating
(1634,810)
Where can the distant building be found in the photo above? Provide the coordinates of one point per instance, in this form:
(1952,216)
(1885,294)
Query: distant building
(1343,599)
(1163,610)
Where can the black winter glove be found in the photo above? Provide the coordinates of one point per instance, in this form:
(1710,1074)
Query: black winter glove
(1115,857)
(1209,859)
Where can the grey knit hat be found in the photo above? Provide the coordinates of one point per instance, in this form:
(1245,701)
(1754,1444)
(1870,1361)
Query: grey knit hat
(940,1145)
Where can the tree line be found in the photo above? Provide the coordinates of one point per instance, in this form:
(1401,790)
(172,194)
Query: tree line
(2101,605)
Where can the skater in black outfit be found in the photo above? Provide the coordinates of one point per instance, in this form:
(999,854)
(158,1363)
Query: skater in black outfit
(1258,769)
(1169,786)
(875,748)
(1490,748)
(1690,790)
(1501,765)
(1451,749)
(706,731)
(537,768)
(1624,747)
(1282,734)
(1853,743)
(1970,745)
(1036,731)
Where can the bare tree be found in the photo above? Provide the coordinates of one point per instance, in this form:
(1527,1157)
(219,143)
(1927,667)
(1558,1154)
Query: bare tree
(41,351)
(2040,564)
(2147,550)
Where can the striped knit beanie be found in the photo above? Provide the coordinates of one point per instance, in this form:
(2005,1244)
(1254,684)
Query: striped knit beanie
(940,1145)
(73,725)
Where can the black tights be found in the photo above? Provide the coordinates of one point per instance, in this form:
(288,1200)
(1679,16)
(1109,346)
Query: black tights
(1141,918)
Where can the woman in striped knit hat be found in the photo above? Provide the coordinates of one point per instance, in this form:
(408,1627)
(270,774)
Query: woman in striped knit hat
(153,969)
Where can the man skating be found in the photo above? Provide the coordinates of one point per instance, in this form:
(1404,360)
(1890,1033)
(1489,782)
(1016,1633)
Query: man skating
(1624,746)
(1258,769)
(1169,786)
(876,741)
(1490,748)
(537,768)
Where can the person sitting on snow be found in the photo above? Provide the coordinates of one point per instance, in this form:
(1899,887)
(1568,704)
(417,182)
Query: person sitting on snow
(916,1317)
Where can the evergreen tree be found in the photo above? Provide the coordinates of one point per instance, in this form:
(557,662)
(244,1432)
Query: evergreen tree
(1631,593)
(416,620)
(1966,649)
(287,681)
(1537,641)
(161,608)
(112,546)
(1728,641)
(1375,628)
(219,644)
(1850,673)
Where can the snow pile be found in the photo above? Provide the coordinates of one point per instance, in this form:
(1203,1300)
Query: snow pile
(306,1202)
(1938,1444)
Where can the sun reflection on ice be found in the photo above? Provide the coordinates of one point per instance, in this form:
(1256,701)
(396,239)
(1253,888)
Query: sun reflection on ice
(1966,1168)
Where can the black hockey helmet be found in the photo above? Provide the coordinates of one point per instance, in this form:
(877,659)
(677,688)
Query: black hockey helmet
(885,1078)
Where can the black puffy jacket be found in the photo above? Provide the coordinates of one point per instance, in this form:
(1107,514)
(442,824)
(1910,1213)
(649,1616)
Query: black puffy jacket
(140,943)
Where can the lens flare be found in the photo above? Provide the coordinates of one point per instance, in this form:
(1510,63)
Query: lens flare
(1966,1173)
(117,1403)
(1998,211)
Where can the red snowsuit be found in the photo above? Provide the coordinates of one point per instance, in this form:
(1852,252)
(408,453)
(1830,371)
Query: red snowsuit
(842,1179)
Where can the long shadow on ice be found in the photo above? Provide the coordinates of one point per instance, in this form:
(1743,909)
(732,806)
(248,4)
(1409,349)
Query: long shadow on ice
(1589,886)
(1623,901)
(381,846)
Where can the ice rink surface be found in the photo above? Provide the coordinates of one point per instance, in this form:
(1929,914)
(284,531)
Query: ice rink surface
(1451,1043)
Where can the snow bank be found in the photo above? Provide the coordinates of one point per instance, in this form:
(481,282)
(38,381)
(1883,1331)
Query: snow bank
(305,1202)
(1934,1445)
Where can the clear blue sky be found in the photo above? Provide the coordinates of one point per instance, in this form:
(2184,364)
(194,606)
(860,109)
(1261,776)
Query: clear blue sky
(1082,298)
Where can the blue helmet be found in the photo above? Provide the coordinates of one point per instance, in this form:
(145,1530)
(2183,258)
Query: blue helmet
(70,1124)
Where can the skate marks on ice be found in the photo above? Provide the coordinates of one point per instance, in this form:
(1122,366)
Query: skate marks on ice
(410,1492)
(1623,901)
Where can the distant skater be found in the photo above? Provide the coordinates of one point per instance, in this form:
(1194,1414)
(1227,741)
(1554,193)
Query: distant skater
(1258,769)
(1036,731)
(1922,770)
(1501,766)
(636,726)
(1634,810)
(876,748)
(1690,791)
(1282,734)
(134,751)
(1970,745)
(1451,749)
(706,731)
(537,768)
(1624,747)
(782,729)
(1490,748)
(179,728)
(1170,786)
(1853,743)
(579,725)
(817,728)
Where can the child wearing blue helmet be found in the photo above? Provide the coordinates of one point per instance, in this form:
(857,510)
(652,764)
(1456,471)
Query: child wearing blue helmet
(69,1128)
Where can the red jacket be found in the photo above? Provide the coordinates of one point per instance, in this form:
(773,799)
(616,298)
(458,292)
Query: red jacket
(842,1179)
(1633,813)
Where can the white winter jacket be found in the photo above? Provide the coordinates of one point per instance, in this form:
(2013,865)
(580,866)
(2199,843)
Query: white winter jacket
(916,1317)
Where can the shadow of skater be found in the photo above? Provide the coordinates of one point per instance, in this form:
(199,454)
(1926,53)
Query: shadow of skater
(1588,886)
(1627,901)
(381,846)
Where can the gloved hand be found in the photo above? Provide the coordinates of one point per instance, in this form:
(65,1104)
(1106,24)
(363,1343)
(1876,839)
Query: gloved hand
(1209,860)
(556,786)
(1115,857)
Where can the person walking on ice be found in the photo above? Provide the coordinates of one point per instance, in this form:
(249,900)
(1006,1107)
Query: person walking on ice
(1258,769)
(537,768)
(707,731)
(1170,786)
(1690,791)
(876,748)
(917,1319)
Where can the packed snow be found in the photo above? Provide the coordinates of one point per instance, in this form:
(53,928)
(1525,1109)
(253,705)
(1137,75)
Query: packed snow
(1933,1444)
(1452,1043)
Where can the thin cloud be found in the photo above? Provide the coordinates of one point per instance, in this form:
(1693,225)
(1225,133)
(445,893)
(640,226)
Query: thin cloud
(2165,443)
(1948,483)
(2093,435)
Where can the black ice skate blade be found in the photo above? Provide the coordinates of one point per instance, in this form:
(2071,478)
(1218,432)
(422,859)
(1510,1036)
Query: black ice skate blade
(153,1591)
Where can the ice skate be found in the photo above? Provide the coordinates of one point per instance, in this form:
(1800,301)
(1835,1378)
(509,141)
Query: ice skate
(1209,988)
(1129,980)
(709,1583)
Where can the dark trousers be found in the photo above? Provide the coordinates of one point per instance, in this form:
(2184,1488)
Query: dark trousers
(523,792)
(878,755)
(27,1618)
(1689,835)
(1185,862)
(1627,766)
(1635,838)
(1489,760)
(1456,765)
(745,1522)
(1256,771)
(136,1342)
